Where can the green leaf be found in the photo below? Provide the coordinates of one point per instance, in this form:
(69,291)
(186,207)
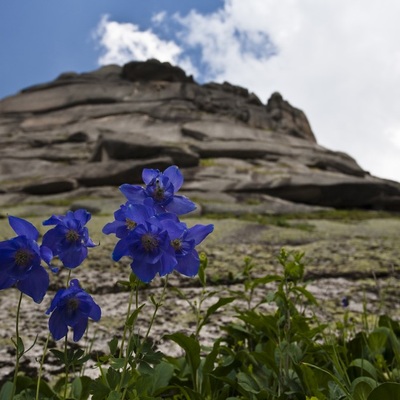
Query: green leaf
(113,378)
(366,366)
(162,374)
(386,391)
(362,387)
(86,384)
(248,383)
(306,294)
(6,391)
(377,339)
(211,310)
(114,396)
(266,279)
(76,388)
(60,355)
(117,363)
(191,347)
(98,390)
(113,345)
(45,389)
(209,366)
(133,317)
(19,345)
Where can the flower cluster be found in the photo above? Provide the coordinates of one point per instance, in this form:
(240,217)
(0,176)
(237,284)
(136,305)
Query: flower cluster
(20,266)
(149,230)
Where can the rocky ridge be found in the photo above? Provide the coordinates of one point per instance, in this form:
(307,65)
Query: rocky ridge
(81,135)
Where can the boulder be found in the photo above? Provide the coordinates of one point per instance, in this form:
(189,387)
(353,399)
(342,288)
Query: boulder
(94,130)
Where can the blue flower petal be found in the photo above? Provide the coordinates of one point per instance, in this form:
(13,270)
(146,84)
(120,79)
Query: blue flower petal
(180,205)
(6,282)
(200,232)
(149,174)
(82,216)
(56,300)
(87,241)
(145,272)
(168,263)
(57,326)
(53,220)
(46,254)
(53,237)
(80,328)
(36,284)
(23,228)
(95,312)
(188,265)
(113,227)
(133,193)
(175,176)
(121,249)
(7,253)
(73,256)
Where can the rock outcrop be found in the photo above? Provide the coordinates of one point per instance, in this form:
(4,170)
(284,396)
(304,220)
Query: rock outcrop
(80,134)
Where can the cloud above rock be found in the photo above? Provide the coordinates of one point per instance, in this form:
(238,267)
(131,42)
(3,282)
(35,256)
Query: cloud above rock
(337,60)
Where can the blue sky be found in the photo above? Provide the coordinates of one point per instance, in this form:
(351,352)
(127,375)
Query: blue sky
(39,39)
(337,60)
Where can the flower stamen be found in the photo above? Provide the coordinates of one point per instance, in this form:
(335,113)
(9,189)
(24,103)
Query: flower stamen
(159,192)
(176,244)
(149,242)
(130,224)
(72,236)
(23,257)
(72,305)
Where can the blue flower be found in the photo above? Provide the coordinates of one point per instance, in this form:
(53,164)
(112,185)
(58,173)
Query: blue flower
(72,307)
(183,241)
(69,239)
(20,260)
(345,302)
(127,217)
(160,191)
(150,248)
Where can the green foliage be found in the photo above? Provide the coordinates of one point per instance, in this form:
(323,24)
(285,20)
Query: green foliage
(274,348)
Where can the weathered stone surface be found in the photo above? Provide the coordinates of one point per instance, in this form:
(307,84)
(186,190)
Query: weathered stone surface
(154,70)
(358,260)
(98,129)
(50,186)
(288,119)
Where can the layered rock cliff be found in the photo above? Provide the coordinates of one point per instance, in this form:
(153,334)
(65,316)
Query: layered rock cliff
(81,135)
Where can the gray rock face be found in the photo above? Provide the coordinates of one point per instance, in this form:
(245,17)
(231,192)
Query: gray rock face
(100,129)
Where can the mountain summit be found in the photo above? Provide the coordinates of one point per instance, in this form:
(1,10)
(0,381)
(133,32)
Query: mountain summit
(78,137)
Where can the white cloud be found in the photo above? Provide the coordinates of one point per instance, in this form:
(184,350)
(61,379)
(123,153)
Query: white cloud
(337,60)
(123,42)
(159,17)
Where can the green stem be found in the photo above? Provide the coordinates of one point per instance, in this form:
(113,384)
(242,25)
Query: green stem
(41,366)
(69,277)
(156,308)
(126,320)
(157,305)
(18,355)
(66,366)
(133,290)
